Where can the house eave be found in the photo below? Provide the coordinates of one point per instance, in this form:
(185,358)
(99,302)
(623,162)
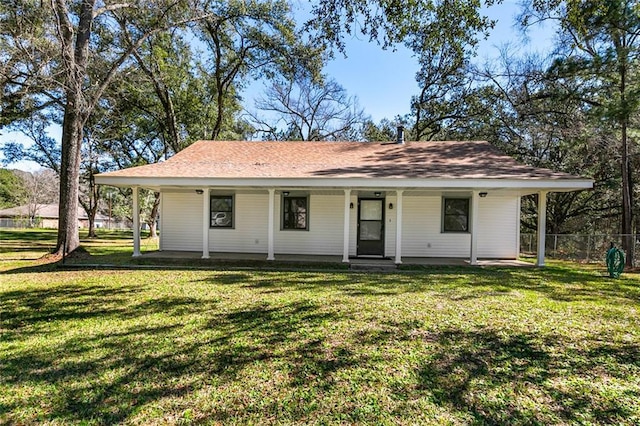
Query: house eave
(525,185)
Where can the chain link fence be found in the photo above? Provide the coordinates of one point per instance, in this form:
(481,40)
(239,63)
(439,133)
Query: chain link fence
(576,247)
(20,222)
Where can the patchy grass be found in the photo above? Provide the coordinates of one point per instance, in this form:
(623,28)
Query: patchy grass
(559,345)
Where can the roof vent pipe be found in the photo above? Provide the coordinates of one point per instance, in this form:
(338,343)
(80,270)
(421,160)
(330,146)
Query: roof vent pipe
(400,136)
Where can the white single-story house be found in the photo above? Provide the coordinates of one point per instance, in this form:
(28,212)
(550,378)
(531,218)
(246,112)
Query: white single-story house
(43,216)
(352,199)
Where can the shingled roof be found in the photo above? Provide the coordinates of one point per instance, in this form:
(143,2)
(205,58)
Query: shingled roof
(412,160)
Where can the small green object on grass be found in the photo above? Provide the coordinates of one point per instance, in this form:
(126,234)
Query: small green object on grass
(615,261)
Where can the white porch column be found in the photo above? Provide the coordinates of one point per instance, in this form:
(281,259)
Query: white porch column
(161,221)
(475,207)
(542,226)
(136,221)
(345,232)
(398,260)
(271,231)
(205,223)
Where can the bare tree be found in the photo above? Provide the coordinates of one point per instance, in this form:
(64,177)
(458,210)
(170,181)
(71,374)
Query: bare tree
(41,188)
(304,109)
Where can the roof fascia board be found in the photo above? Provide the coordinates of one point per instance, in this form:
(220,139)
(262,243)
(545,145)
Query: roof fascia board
(395,183)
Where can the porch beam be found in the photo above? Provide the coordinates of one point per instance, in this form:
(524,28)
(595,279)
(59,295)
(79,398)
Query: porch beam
(136,221)
(542,226)
(271,231)
(205,223)
(398,259)
(475,207)
(345,232)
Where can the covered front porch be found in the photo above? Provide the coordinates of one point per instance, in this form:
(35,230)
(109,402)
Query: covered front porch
(338,230)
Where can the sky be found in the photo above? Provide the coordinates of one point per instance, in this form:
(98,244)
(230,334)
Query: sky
(383,81)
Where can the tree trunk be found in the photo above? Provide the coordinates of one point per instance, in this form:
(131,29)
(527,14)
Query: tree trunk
(68,236)
(75,51)
(94,197)
(627,190)
(153,222)
(627,205)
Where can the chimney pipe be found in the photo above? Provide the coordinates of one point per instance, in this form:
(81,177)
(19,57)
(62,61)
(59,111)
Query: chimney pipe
(400,137)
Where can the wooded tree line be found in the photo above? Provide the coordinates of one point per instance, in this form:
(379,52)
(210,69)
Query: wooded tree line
(132,83)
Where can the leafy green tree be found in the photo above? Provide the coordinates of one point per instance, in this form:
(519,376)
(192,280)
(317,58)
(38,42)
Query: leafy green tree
(71,47)
(444,44)
(393,21)
(12,190)
(599,44)
(251,39)
(536,117)
(442,34)
(383,131)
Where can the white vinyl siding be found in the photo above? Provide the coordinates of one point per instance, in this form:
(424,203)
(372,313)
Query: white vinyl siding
(421,230)
(497,229)
(181,221)
(499,222)
(390,226)
(324,236)
(250,231)
(422,235)
(353,226)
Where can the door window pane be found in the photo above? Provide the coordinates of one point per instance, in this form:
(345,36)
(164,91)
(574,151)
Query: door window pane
(370,231)
(371,210)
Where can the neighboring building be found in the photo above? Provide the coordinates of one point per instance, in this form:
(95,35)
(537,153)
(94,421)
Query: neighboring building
(46,216)
(414,199)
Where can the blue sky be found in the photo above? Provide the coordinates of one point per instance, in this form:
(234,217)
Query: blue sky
(383,80)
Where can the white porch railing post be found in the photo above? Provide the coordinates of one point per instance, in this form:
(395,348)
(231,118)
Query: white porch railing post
(271,231)
(475,206)
(398,259)
(542,226)
(205,223)
(136,221)
(345,232)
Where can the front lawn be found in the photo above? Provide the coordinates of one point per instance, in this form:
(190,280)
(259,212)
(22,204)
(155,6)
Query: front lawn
(559,345)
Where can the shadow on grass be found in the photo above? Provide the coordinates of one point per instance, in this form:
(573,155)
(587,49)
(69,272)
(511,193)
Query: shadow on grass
(453,283)
(109,372)
(104,355)
(490,376)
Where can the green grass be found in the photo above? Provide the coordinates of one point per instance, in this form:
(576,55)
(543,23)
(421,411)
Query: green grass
(559,345)
(111,246)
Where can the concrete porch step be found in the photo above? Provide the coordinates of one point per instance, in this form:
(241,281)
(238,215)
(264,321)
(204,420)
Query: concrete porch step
(373,266)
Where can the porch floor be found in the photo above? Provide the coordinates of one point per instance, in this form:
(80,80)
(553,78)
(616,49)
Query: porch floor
(302,258)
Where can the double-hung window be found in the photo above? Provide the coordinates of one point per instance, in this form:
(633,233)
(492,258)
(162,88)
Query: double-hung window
(455,215)
(221,211)
(295,213)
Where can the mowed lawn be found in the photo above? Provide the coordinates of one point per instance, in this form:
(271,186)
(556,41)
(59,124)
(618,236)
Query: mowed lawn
(559,345)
